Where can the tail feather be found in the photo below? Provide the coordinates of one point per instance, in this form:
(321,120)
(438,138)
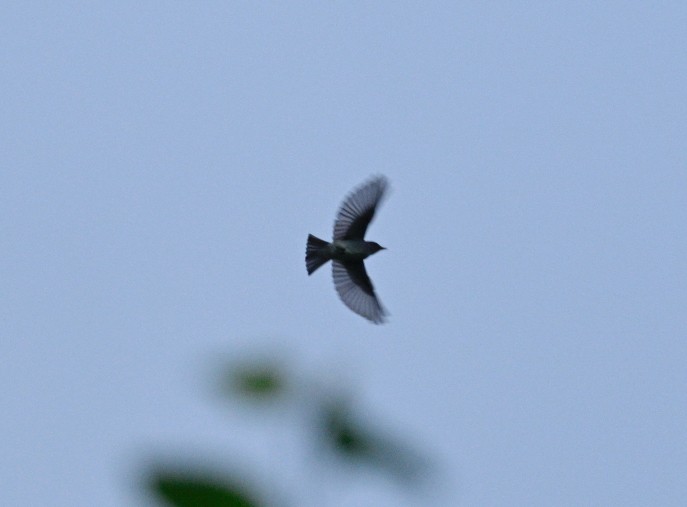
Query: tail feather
(315,253)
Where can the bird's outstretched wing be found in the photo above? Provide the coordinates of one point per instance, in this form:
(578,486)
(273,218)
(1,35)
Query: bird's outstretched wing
(358,209)
(356,291)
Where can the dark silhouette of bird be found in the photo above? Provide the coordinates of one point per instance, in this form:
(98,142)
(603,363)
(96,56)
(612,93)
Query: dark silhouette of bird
(349,249)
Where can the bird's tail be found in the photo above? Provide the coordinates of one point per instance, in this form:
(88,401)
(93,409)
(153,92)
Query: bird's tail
(315,253)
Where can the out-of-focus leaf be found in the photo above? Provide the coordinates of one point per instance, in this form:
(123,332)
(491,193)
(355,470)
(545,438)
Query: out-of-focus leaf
(258,381)
(185,491)
(353,441)
(346,437)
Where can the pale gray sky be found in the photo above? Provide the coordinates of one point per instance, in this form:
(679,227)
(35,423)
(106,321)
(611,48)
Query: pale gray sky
(163,163)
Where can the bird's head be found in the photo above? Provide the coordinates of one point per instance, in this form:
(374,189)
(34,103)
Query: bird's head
(375,247)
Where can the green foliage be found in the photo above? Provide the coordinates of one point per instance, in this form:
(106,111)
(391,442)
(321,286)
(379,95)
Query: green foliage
(185,491)
(335,426)
(263,381)
(354,441)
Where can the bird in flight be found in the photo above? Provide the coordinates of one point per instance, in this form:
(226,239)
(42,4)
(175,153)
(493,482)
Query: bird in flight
(349,248)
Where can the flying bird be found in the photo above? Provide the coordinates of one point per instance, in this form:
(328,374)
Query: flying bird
(349,248)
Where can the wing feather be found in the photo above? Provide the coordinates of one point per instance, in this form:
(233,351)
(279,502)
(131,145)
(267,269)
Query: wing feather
(358,209)
(356,291)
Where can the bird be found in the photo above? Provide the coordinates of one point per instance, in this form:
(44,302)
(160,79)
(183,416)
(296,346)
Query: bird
(348,250)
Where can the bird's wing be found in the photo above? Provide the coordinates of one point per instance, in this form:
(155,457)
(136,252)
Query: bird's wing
(358,209)
(356,291)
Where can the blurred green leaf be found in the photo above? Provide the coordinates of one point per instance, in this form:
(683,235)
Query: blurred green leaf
(353,440)
(184,491)
(256,381)
(347,438)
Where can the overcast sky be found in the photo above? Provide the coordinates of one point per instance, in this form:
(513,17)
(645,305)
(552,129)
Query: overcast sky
(163,162)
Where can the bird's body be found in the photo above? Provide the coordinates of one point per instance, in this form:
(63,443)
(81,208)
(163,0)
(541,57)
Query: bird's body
(346,250)
(349,248)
